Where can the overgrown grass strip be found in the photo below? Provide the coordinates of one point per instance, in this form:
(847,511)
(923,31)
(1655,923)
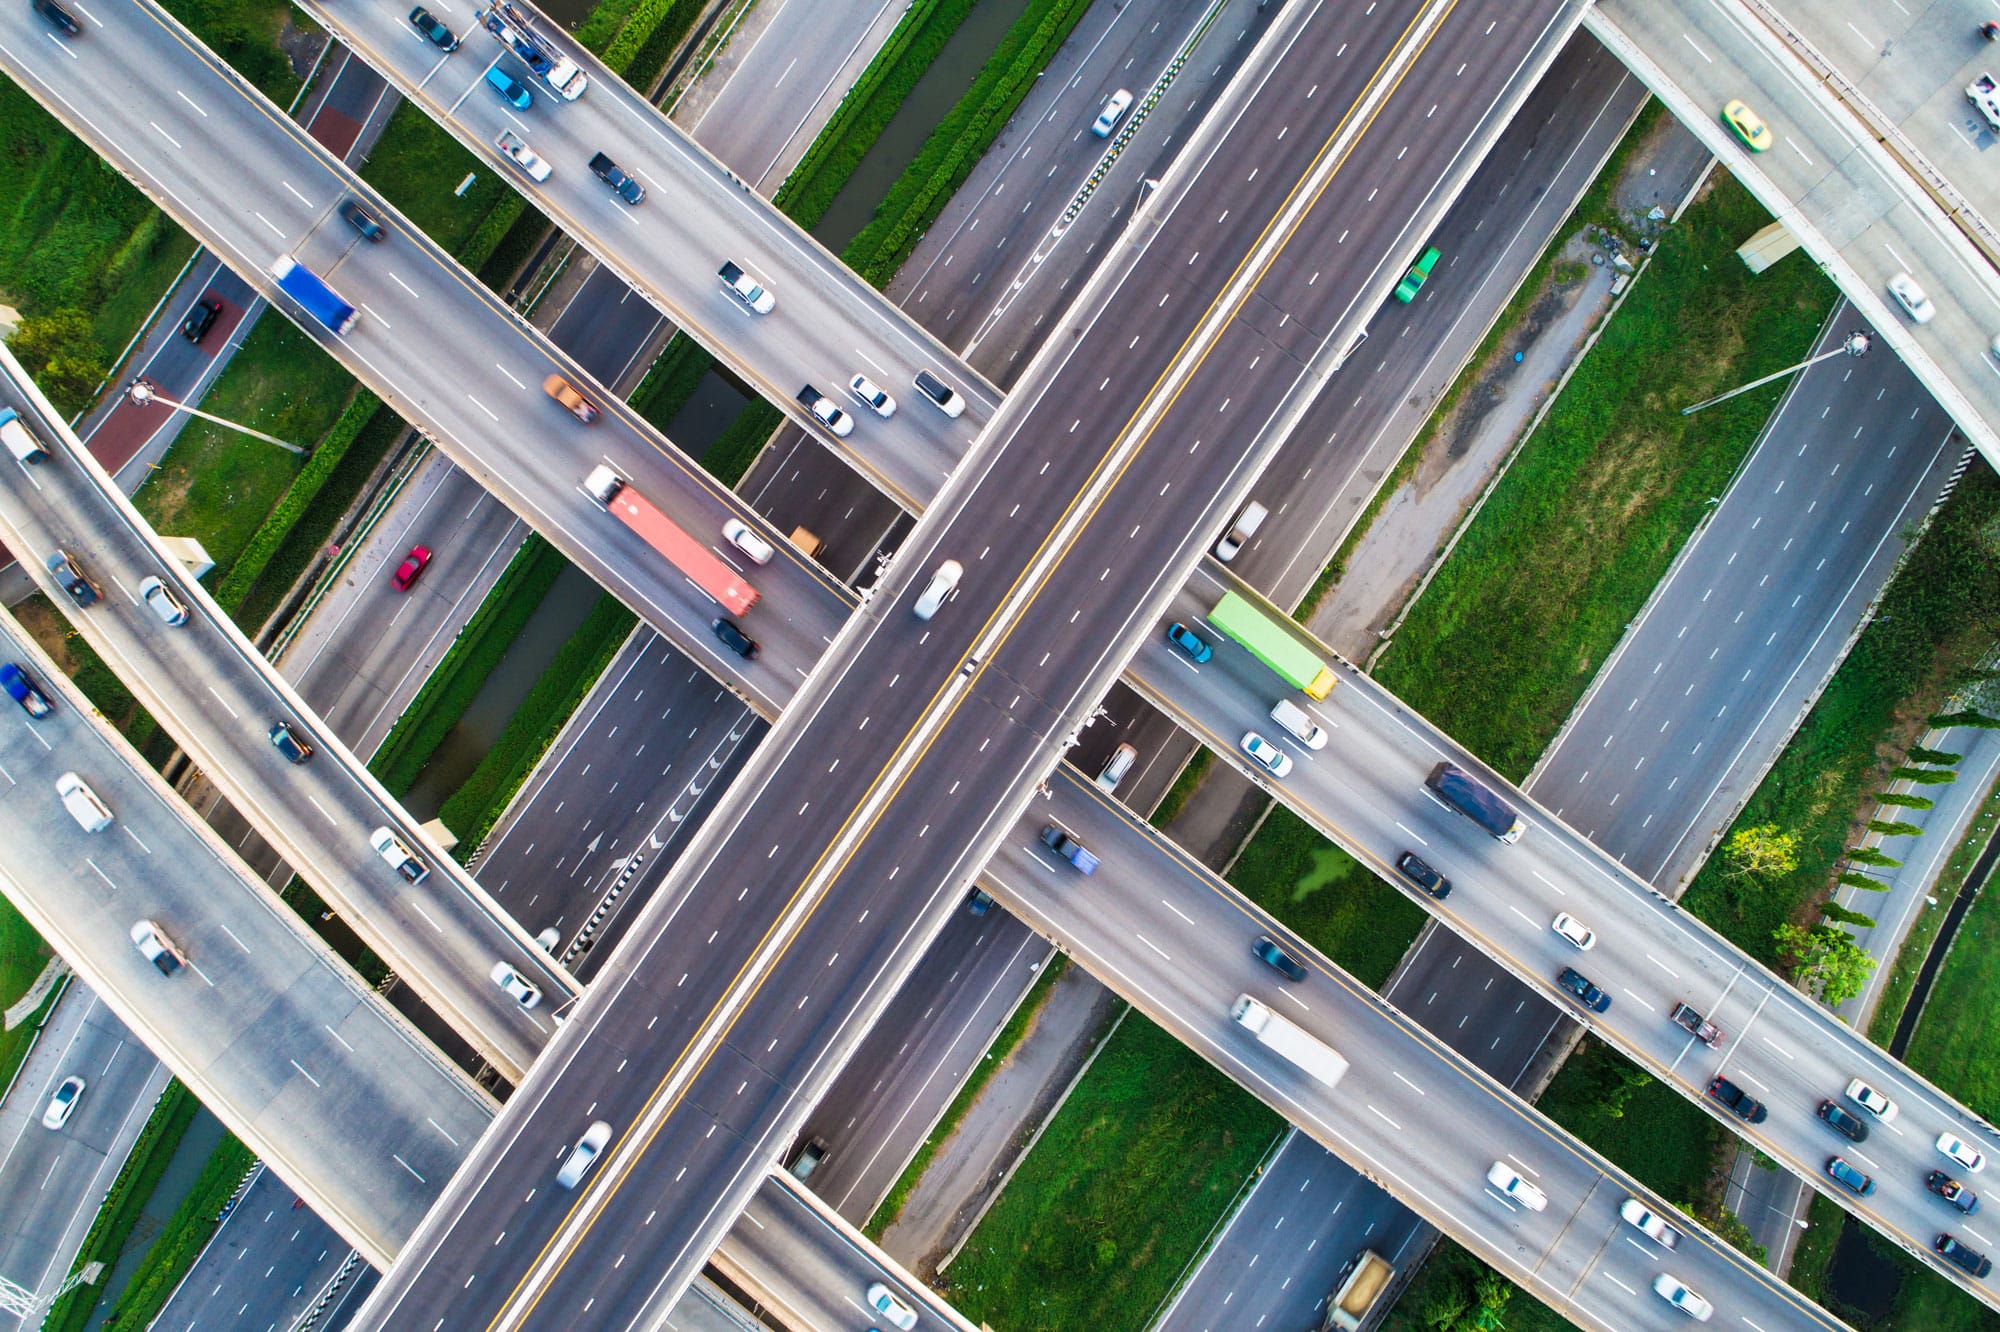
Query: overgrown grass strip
(1119,1194)
(1004,1044)
(461,672)
(180,1241)
(1575,536)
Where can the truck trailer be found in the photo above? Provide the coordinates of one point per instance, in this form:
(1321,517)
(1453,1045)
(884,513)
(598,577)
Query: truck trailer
(540,55)
(1277,1033)
(1360,1288)
(314,296)
(701,565)
(1464,793)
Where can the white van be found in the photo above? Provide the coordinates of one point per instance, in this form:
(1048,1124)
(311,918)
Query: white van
(390,847)
(1245,527)
(1115,768)
(1298,723)
(90,813)
(20,441)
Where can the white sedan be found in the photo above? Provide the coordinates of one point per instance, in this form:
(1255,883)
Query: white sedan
(63,1102)
(1874,1102)
(1961,1151)
(885,1302)
(1574,931)
(1268,756)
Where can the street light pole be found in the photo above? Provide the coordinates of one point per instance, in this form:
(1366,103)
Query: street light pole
(1854,344)
(143,393)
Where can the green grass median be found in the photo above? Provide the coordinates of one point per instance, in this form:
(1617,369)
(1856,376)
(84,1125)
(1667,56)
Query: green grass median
(1573,539)
(1119,1194)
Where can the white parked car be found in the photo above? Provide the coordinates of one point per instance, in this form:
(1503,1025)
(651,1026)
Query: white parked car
(742,536)
(887,1303)
(1961,1151)
(1268,756)
(1512,1186)
(1574,931)
(1874,1102)
(1675,1292)
(1912,298)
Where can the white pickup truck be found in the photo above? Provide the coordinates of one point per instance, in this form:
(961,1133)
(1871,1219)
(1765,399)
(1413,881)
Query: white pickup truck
(516,150)
(746,288)
(1984,93)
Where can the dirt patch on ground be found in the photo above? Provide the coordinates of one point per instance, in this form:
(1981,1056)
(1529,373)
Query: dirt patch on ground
(301,46)
(970,1167)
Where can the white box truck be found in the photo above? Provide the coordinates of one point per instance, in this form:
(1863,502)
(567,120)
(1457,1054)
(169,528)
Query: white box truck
(1277,1033)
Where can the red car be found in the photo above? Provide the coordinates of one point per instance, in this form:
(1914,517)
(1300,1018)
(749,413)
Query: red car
(412,565)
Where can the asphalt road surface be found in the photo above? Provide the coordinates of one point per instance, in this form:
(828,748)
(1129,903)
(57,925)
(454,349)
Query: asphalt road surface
(433,343)
(1367,791)
(218,697)
(1837,190)
(998,721)
(264,1023)
(1177,945)
(828,323)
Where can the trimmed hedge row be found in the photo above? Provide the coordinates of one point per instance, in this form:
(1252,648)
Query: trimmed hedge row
(457,678)
(181,1240)
(472,808)
(277,525)
(652,23)
(112,1226)
(316,522)
(961,139)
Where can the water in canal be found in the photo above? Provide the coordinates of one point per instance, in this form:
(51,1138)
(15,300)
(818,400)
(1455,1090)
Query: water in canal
(569,599)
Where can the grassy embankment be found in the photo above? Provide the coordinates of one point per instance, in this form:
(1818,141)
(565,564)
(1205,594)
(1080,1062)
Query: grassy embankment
(1575,536)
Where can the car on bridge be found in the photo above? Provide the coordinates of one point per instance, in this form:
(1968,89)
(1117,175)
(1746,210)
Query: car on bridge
(1746,125)
(21,687)
(1579,987)
(1952,1191)
(1845,1175)
(1739,1102)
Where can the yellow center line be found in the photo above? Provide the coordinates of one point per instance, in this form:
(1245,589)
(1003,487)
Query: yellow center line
(661,1098)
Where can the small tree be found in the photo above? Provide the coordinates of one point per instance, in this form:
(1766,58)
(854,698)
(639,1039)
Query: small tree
(1918,754)
(1896,829)
(1968,717)
(1926,776)
(1868,855)
(60,350)
(1903,801)
(1866,882)
(1834,911)
(1762,852)
(1825,962)
(1490,1293)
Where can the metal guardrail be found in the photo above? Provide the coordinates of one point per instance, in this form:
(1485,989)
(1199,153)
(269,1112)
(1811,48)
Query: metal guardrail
(1983,235)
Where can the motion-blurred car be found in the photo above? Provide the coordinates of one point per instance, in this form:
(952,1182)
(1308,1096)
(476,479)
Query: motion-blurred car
(1746,125)
(413,564)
